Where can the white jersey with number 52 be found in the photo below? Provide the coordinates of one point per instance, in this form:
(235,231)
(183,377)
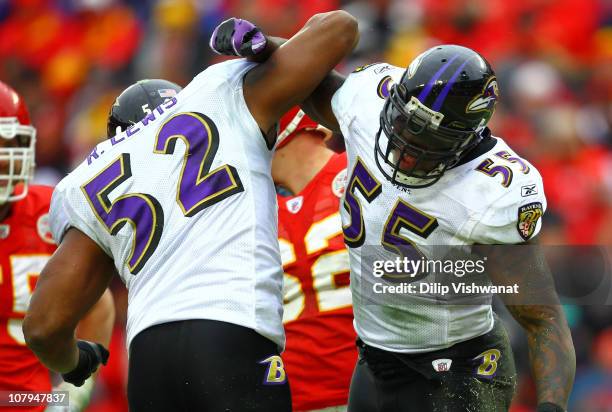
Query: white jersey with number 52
(184,203)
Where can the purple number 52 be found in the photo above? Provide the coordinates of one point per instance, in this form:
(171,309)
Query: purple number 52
(198,187)
(140,210)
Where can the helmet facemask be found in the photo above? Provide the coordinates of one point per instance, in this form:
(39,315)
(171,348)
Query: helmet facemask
(414,146)
(17,142)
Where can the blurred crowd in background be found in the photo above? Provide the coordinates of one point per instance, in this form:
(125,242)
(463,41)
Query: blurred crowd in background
(553,58)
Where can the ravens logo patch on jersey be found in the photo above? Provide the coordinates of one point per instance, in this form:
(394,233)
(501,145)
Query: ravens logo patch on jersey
(528,216)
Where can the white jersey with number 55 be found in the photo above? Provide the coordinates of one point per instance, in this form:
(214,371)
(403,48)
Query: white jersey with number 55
(492,197)
(184,204)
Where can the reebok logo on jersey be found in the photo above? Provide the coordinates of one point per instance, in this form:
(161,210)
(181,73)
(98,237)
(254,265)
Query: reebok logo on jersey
(528,216)
(382,69)
(295,205)
(529,190)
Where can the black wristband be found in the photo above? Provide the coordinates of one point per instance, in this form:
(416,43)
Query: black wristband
(90,356)
(549,407)
(75,376)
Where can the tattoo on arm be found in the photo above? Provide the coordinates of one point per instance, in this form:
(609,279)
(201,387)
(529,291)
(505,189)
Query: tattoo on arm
(551,351)
(537,309)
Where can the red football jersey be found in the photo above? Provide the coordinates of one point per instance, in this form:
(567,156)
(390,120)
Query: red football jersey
(25,246)
(320,354)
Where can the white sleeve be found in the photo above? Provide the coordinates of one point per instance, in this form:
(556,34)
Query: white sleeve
(362,95)
(69,208)
(58,217)
(358,85)
(228,73)
(515,217)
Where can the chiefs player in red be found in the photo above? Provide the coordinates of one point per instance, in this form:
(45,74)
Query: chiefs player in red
(320,352)
(25,246)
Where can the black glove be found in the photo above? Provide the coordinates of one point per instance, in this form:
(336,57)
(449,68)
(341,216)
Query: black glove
(549,407)
(91,355)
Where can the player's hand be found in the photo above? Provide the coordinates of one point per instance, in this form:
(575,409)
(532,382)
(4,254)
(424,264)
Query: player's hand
(237,37)
(91,355)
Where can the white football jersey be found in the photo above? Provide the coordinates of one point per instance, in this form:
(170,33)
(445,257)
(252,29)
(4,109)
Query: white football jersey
(496,197)
(184,203)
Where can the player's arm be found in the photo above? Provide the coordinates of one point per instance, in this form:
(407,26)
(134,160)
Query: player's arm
(318,104)
(69,286)
(97,325)
(291,72)
(537,309)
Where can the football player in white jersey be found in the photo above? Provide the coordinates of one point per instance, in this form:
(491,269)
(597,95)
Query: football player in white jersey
(425,172)
(182,206)
(428,181)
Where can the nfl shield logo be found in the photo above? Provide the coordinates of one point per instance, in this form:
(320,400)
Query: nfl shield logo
(294,205)
(442,365)
(44,229)
(338,185)
(5,230)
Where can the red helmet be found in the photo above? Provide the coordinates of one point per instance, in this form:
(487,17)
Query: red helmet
(16,161)
(292,122)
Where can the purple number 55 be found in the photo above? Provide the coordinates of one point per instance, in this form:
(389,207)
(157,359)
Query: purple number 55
(198,187)
(403,216)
